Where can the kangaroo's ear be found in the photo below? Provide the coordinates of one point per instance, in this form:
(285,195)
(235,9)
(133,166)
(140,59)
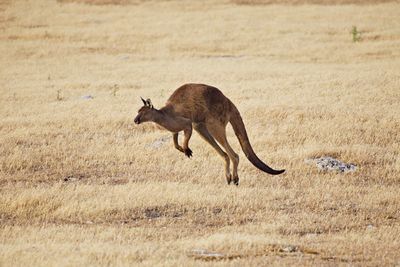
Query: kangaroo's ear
(149,104)
(144,101)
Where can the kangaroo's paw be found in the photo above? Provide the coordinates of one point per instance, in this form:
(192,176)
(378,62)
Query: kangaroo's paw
(188,152)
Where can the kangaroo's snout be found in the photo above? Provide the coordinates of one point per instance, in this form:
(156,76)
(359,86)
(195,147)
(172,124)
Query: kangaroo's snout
(137,120)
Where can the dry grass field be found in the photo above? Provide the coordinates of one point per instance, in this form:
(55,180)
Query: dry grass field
(81,184)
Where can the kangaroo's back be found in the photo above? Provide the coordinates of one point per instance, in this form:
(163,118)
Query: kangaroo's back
(199,101)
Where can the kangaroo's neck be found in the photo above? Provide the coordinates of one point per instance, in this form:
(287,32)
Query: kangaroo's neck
(161,117)
(166,118)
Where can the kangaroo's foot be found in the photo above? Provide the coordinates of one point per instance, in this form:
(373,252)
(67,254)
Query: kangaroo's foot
(188,152)
(235,180)
(228,178)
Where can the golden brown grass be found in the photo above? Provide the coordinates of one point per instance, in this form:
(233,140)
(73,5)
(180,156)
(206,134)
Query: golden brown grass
(80,184)
(296,2)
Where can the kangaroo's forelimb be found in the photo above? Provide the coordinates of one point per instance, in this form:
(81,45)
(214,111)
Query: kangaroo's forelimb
(176,144)
(187,132)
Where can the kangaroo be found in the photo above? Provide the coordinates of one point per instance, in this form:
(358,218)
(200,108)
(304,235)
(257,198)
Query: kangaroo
(208,111)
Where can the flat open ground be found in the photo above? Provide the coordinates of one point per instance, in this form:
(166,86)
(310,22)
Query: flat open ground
(81,185)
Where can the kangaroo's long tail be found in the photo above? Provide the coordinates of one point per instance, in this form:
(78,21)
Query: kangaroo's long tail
(240,131)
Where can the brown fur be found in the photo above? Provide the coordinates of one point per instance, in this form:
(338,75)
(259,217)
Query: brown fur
(208,111)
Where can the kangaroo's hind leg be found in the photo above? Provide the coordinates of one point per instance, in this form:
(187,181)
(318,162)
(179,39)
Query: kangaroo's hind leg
(204,133)
(219,133)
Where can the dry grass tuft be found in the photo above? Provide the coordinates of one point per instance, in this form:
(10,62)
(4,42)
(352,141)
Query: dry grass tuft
(80,184)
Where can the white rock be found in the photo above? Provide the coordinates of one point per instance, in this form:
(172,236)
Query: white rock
(331,164)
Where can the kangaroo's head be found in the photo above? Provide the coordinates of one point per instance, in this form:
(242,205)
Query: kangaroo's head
(145,113)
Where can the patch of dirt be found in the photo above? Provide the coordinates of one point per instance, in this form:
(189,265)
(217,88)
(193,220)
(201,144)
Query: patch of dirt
(4,4)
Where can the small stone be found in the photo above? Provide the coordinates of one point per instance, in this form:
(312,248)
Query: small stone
(290,249)
(87,97)
(70,178)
